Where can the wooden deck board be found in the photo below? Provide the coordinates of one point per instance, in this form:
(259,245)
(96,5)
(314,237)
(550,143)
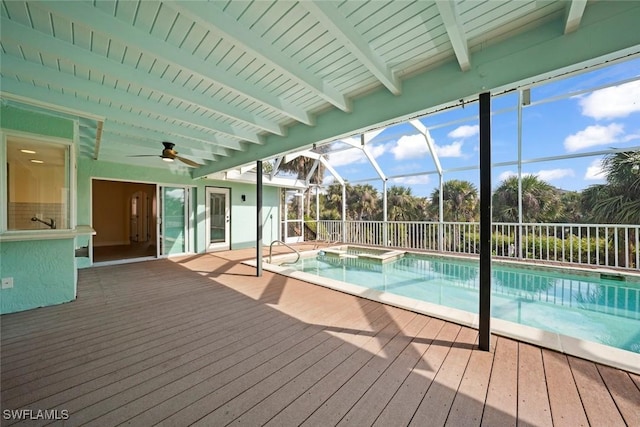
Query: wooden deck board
(470,399)
(624,392)
(405,402)
(502,395)
(600,410)
(533,400)
(436,403)
(564,399)
(201,339)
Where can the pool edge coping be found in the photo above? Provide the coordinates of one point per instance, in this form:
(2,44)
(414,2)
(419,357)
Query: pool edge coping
(588,350)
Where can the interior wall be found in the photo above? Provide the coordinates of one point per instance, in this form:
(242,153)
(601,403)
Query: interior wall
(111,209)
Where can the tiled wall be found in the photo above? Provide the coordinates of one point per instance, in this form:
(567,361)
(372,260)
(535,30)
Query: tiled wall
(19,215)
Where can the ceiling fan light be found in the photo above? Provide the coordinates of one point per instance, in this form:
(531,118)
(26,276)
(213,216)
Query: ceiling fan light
(167,159)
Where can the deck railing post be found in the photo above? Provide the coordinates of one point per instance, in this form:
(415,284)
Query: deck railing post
(385,213)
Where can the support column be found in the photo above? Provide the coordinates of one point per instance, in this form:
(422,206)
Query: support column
(259,218)
(485,222)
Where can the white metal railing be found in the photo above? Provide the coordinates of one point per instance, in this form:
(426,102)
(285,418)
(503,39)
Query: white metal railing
(590,244)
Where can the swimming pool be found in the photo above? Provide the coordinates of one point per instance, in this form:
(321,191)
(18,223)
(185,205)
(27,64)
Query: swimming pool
(572,307)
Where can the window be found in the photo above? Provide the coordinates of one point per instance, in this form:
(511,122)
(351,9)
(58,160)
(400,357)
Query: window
(37,185)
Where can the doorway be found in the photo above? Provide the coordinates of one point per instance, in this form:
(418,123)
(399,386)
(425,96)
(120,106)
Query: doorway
(124,216)
(218,219)
(292,214)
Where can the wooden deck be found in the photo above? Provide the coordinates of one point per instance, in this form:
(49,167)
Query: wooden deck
(201,340)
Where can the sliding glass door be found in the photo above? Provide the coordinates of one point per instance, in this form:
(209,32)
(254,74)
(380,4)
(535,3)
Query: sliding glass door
(174,228)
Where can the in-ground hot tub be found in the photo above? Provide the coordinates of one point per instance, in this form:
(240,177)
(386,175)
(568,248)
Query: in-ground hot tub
(381,256)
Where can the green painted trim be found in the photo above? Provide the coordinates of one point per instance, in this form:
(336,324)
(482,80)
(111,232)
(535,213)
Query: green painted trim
(34,122)
(522,59)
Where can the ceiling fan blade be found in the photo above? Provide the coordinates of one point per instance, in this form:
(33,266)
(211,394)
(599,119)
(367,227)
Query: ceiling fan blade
(145,155)
(188,162)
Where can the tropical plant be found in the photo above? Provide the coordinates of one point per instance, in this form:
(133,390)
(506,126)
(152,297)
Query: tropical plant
(460,202)
(401,204)
(617,201)
(301,167)
(541,202)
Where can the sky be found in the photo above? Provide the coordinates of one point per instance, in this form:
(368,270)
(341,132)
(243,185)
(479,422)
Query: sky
(554,124)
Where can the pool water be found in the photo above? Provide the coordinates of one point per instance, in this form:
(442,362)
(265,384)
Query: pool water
(600,310)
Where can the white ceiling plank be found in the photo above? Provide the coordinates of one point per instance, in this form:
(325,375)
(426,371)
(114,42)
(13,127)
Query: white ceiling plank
(72,102)
(29,70)
(216,20)
(574,15)
(113,144)
(151,138)
(132,36)
(450,16)
(329,16)
(78,55)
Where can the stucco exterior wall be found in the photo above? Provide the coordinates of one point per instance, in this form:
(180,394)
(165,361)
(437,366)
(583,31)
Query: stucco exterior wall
(43,271)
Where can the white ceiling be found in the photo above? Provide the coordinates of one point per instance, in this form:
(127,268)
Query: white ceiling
(230,82)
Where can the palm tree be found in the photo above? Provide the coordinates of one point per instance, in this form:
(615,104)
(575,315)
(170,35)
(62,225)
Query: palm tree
(541,202)
(301,166)
(460,202)
(401,204)
(363,201)
(617,201)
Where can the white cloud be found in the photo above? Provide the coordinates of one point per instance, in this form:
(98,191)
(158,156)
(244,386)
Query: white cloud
(451,150)
(553,174)
(411,180)
(349,156)
(631,137)
(506,175)
(328,180)
(464,131)
(543,174)
(593,136)
(409,147)
(378,150)
(594,171)
(612,102)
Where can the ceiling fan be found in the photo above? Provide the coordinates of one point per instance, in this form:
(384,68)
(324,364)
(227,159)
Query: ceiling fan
(169,155)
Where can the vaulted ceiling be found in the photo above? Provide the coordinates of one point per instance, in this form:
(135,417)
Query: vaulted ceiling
(230,82)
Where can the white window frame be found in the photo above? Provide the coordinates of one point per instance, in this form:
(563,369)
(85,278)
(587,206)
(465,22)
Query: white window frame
(71,173)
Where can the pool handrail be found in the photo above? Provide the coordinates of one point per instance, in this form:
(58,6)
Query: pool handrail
(293,249)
